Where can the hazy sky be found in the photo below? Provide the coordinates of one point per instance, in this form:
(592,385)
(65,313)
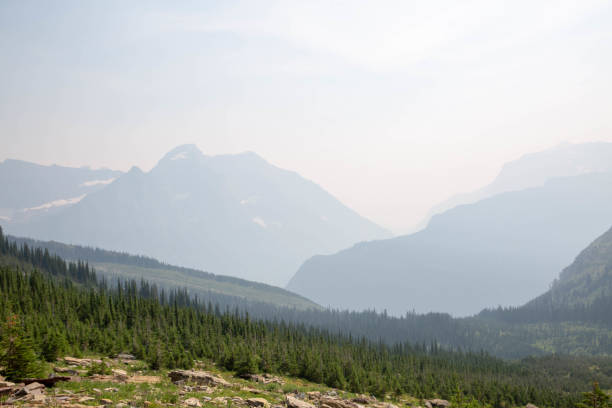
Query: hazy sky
(390,106)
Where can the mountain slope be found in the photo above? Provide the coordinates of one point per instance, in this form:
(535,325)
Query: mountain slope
(233,215)
(535,169)
(503,250)
(125,266)
(30,189)
(583,292)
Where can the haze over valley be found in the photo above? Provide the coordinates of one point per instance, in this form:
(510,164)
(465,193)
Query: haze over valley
(306,204)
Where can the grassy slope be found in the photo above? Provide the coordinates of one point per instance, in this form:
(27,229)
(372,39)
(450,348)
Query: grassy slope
(169,276)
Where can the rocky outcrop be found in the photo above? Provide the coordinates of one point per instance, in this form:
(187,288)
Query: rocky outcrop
(120,375)
(193,402)
(293,402)
(258,402)
(81,361)
(30,393)
(198,377)
(436,402)
(265,379)
(338,403)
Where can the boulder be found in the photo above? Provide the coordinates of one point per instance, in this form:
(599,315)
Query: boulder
(257,402)
(193,402)
(364,399)
(314,395)
(293,402)
(198,377)
(125,356)
(339,403)
(75,361)
(121,375)
(436,402)
(66,370)
(106,401)
(266,379)
(4,383)
(86,399)
(32,388)
(530,406)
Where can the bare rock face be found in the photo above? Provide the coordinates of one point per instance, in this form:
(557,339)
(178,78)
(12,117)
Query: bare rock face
(436,402)
(293,402)
(198,377)
(258,402)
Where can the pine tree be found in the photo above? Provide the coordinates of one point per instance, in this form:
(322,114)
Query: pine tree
(595,399)
(246,364)
(16,352)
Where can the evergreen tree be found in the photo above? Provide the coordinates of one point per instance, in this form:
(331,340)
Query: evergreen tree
(17,354)
(595,398)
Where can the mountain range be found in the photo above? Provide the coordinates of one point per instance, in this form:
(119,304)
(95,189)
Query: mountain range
(534,170)
(501,250)
(31,190)
(233,215)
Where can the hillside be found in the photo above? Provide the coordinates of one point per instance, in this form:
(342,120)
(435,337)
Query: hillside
(234,215)
(81,315)
(582,293)
(111,265)
(495,335)
(504,250)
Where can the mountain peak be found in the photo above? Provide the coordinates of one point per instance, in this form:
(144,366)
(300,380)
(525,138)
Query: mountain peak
(182,152)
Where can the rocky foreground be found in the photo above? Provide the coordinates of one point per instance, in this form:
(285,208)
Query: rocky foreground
(125,382)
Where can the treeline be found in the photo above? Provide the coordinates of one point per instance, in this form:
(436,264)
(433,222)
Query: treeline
(522,328)
(172,329)
(543,310)
(76,252)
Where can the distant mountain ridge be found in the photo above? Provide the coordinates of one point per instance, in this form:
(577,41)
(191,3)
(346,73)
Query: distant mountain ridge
(503,250)
(232,214)
(32,189)
(535,169)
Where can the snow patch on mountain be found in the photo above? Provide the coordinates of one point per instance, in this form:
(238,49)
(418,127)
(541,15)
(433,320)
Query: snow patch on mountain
(259,221)
(97,182)
(56,203)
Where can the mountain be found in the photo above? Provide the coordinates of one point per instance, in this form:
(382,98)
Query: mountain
(535,169)
(503,250)
(224,290)
(583,291)
(232,214)
(31,189)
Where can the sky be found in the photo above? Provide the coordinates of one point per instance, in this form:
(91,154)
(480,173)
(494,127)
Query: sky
(391,106)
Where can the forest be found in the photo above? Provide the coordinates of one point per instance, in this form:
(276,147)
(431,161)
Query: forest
(537,328)
(63,307)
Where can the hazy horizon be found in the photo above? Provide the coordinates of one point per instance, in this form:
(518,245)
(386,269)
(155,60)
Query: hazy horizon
(390,109)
